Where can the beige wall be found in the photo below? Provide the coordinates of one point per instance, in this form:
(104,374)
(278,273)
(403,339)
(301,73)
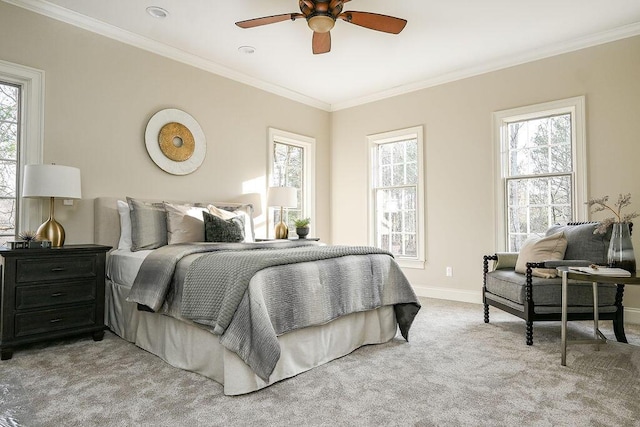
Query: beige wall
(457,120)
(101,93)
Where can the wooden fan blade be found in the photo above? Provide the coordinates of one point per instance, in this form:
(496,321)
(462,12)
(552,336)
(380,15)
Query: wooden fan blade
(335,3)
(309,4)
(374,21)
(256,22)
(321,42)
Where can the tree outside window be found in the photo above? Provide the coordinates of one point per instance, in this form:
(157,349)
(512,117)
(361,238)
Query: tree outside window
(288,171)
(542,165)
(9,137)
(291,164)
(397,208)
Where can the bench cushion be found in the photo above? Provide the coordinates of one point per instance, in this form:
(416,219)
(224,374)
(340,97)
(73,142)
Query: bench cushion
(511,285)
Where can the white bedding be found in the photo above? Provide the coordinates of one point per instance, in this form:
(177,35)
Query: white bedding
(187,346)
(123,265)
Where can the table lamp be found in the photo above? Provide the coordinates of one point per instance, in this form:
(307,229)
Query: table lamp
(285,197)
(51,181)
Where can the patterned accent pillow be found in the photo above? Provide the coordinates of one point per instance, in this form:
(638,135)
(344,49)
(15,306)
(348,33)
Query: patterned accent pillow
(223,230)
(148,224)
(226,212)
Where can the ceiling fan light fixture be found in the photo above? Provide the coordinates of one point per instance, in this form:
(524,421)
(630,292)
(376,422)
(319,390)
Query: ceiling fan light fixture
(321,23)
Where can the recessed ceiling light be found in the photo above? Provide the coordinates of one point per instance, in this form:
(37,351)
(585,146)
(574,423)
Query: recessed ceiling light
(247,50)
(157,12)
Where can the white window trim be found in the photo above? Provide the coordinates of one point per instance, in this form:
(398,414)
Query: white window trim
(575,106)
(309,145)
(392,136)
(31,141)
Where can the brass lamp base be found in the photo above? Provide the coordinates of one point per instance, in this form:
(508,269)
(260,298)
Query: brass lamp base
(282,231)
(52,230)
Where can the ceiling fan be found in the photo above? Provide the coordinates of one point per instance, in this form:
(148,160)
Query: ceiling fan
(321,16)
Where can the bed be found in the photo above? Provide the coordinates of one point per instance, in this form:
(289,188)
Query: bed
(193,346)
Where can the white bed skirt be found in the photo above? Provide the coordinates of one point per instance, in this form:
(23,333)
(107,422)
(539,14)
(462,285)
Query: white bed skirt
(189,347)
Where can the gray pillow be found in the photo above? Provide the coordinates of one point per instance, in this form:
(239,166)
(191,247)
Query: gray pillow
(583,244)
(223,230)
(148,224)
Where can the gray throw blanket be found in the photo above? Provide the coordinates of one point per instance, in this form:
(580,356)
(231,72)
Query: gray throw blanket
(295,294)
(215,305)
(151,285)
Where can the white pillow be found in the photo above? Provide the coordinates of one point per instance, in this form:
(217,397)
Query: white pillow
(224,214)
(184,223)
(536,249)
(220,213)
(125,225)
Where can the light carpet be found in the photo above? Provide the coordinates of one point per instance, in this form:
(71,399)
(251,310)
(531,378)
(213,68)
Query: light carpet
(455,371)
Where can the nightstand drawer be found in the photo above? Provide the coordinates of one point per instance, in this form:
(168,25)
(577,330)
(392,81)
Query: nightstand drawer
(38,322)
(34,296)
(55,268)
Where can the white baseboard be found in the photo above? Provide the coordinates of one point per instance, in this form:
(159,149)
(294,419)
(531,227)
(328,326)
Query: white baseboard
(474,297)
(631,314)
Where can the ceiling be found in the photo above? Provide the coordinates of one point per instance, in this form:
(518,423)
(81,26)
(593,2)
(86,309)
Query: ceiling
(443,41)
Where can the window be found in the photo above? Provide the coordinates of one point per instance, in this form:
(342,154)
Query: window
(542,169)
(9,136)
(396,195)
(291,164)
(21,118)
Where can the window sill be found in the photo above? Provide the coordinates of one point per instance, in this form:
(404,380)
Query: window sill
(410,263)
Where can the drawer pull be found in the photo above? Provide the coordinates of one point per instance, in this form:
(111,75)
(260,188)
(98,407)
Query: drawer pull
(58,269)
(58,294)
(55,320)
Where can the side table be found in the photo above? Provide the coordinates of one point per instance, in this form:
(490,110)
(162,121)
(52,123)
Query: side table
(594,279)
(47,294)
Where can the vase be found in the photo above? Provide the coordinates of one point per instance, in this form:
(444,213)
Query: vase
(302,232)
(620,253)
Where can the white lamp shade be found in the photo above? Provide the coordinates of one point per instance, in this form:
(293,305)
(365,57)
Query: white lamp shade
(51,181)
(286,197)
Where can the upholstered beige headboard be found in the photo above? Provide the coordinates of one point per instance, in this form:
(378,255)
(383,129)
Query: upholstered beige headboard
(107,220)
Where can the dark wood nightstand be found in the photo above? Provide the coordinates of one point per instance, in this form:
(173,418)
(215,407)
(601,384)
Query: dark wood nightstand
(50,293)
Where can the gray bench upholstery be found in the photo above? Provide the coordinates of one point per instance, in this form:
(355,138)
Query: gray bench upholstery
(539,299)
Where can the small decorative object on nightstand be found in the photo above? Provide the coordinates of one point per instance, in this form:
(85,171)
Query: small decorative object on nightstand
(302,227)
(51,293)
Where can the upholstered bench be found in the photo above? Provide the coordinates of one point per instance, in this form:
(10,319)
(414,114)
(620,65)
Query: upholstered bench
(526,285)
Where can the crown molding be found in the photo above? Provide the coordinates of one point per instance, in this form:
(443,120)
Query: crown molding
(73,18)
(90,24)
(623,32)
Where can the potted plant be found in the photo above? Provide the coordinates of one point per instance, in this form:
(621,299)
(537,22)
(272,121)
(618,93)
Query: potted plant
(302,227)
